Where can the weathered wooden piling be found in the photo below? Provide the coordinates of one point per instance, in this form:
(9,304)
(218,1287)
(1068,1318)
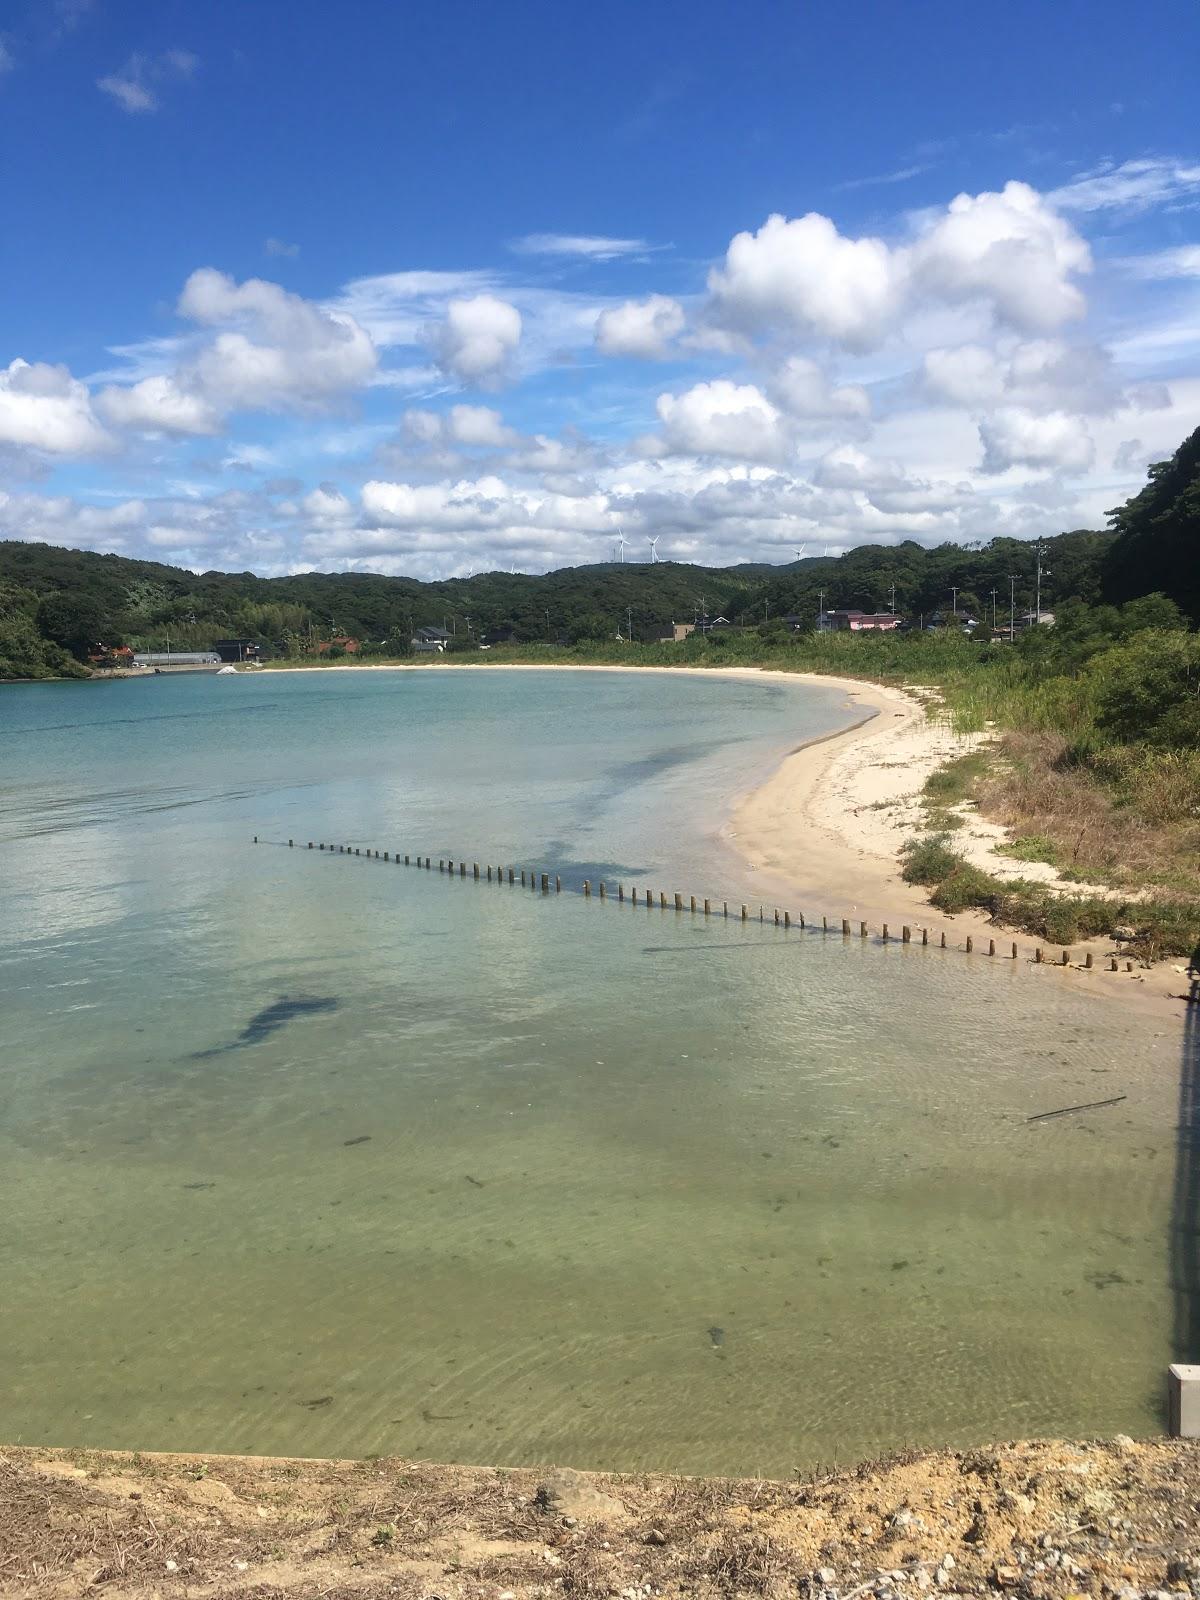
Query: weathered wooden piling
(603,890)
(693,904)
(885,933)
(1129,966)
(462,869)
(587,889)
(725,905)
(970,944)
(1114,965)
(924,937)
(1066,958)
(1037,955)
(707,908)
(824,924)
(787,919)
(845,928)
(1014,950)
(620,894)
(776,916)
(906,934)
(678,901)
(745,913)
(475,869)
(633,895)
(1087,961)
(991,947)
(862,930)
(557,885)
(256,838)
(291,843)
(943,945)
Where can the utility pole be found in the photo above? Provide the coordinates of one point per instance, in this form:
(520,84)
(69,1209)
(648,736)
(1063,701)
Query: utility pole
(546,613)
(1012,607)
(1041,573)
(993,594)
(629,624)
(893,599)
(954,598)
(820,610)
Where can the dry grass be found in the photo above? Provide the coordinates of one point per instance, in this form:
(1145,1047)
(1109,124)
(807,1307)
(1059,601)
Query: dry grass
(1108,819)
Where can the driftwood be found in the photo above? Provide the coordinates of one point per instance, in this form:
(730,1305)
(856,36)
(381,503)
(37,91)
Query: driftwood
(1092,1105)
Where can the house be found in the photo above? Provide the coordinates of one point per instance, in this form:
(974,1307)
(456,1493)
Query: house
(858,621)
(350,646)
(707,624)
(430,641)
(231,650)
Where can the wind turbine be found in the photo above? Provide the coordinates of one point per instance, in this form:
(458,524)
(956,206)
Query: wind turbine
(800,552)
(653,543)
(622,541)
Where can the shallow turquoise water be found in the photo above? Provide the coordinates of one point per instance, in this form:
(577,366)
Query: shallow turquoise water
(531,1178)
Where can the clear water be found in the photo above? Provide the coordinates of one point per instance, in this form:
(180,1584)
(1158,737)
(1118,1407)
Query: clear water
(527,1178)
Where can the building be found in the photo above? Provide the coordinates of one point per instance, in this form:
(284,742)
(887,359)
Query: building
(176,658)
(350,646)
(857,621)
(430,641)
(232,650)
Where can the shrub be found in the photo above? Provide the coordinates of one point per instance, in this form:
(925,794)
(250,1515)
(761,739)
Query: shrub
(928,861)
(965,887)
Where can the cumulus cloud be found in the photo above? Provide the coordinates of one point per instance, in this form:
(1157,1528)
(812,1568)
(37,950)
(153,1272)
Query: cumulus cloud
(1038,374)
(1010,249)
(803,389)
(275,350)
(806,277)
(478,339)
(158,405)
(722,419)
(642,328)
(1016,437)
(137,85)
(44,408)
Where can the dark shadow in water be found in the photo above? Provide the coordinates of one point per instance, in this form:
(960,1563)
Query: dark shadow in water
(1185,1218)
(268,1021)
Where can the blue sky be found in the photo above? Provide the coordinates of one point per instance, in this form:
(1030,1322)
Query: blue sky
(437,289)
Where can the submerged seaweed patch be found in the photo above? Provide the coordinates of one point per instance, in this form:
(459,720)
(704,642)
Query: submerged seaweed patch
(269,1020)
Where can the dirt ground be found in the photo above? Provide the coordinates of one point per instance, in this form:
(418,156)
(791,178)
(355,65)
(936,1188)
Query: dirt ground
(1116,1519)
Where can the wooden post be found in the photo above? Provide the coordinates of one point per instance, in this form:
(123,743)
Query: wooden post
(725,904)
(693,904)
(441,866)
(587,889)
(845,928)
(707,908)
(787,919)
(776,916)
(678,901)
(489,874)
(1129,966)
(943,941)
(824,925)
(522,877)
(862,930)
(356,849)
(462,869)
(991,947)
(1087,961)
(970,944)
(256,838)
(1066,958)
(633,894)
(906,934)
(475,869)
(545,883)
(557,885)
(1037,955)
(1014,954)
(662,899)
(291,844)
(924,936)
(512,877)
(745,913)
(603,891)
(620,894)
(1114,965)
(761,914)
(885,933)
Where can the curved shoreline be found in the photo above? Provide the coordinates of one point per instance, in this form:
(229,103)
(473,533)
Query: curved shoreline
(832,791)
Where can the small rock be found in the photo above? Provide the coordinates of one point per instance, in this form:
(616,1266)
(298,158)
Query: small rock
(947,1563)
(571,1495)
(1006,1577)
(827,1576)
(656,1536)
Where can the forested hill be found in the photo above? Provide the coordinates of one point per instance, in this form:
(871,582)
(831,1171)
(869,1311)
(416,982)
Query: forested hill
(55,603)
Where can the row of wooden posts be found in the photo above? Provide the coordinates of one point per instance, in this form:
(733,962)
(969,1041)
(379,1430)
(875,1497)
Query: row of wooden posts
(542,882)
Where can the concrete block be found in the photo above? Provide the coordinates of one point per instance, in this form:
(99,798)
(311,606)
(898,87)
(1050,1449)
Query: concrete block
(1183,1387)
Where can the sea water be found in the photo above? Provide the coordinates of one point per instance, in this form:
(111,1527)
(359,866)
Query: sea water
(311,1153)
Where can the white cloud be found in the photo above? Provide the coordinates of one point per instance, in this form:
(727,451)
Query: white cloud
(479,425)
(1055,441)
(805,277)
(135,87)
(642,328)
(592,247)
(1010,249)
(158,405)
(1181,262)
(1129,185)
(722,419)
(277,350)
(280,247)
(44,408)
(802,389)
(478,339)
(1040,375)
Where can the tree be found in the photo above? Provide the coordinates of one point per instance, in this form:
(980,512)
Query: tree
(77,622)
(1148,688)
(1157,547)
